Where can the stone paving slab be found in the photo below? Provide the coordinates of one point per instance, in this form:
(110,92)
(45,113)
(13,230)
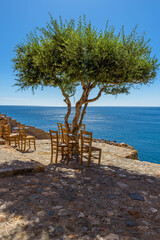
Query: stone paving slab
(70,202)
(120,200)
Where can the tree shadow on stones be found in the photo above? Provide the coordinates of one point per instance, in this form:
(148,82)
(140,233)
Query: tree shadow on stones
(76,202)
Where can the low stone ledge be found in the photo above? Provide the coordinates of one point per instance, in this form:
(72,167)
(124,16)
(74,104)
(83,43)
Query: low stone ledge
(133,152)
(124,145)
(19,167)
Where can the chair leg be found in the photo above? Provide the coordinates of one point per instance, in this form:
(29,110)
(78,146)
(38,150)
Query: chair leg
(77,151)
(89,158)
(62,152)
(21,143)
(67,154)
(81,156)
(51,154)
(18,142)
(35,144)
(100,153)
(25,144)
(56,155)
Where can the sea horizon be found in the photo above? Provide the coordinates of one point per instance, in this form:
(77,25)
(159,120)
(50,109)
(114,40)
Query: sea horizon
(72,106)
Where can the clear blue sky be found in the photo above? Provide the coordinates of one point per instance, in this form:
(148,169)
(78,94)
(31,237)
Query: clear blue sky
(19,17)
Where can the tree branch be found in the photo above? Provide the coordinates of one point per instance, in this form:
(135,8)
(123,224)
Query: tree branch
(96,98)
(82,114)
(83,84)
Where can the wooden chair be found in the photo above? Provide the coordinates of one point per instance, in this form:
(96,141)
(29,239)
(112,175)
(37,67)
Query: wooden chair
(10,137)
(72,141)
(86,147)
(25,139)
(57,146)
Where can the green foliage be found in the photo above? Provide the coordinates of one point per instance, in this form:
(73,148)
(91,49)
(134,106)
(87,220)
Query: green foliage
(66,55)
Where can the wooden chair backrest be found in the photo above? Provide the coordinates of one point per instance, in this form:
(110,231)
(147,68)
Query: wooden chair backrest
(7,130)
(64,126)
(86,138)
(59,128)
(54,137)
(22,131)
(65,135)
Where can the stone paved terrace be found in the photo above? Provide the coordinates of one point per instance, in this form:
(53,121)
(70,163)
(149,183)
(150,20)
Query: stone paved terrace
(117,201)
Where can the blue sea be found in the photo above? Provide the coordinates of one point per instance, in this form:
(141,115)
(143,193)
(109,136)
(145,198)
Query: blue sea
(136,126)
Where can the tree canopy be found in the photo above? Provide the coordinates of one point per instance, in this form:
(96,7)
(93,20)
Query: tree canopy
(66,55)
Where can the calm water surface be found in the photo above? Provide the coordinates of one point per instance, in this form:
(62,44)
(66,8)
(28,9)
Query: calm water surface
(136,126)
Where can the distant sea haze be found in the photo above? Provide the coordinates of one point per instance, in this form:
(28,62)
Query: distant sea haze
(136,126)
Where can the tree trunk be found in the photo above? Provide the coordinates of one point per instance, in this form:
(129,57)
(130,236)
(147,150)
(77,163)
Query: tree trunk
(79,112)
(67,115)
(76,124)
(76,118)
(82,115)
(68,102)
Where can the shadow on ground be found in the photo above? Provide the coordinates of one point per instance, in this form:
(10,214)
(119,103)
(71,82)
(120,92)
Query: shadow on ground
(16,167)
(75,202)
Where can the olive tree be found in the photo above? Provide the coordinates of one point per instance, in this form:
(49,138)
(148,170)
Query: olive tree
(68,55)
